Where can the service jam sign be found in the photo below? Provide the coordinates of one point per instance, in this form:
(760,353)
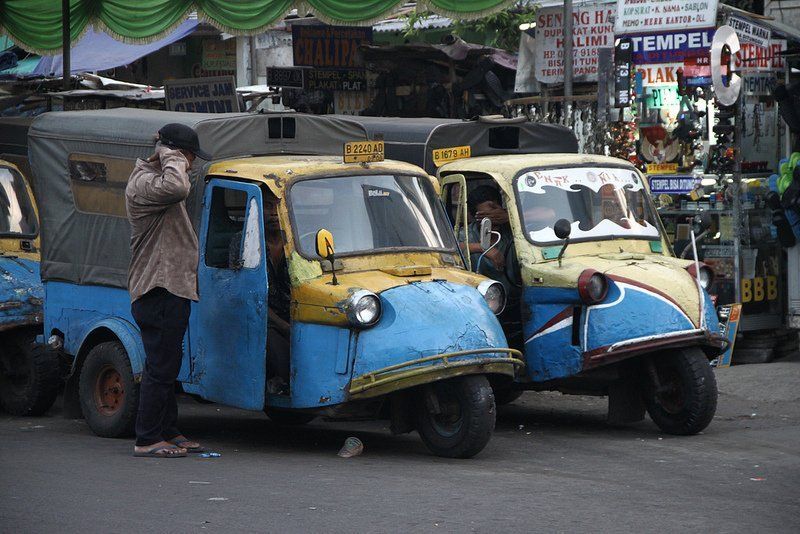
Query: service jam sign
(329,47)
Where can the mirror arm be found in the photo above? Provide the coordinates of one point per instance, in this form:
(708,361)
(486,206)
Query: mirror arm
(563,248)
(334,281)
(480,259)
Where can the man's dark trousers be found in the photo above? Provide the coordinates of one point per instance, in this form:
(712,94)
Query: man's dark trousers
(162,318)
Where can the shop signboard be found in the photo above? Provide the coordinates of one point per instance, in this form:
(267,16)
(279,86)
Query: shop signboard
(756,58)
(285,77)
(622,73)
(659,74)
(592,29)
(672,185)
(330,47)
(662,168)
(729,316)
(671,47)
(750,32)
(662,97)
(335,80)
(759,84)
(219,55)
(638,16)
(202,95)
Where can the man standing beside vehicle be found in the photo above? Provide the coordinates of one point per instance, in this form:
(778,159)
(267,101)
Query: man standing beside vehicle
(162,281)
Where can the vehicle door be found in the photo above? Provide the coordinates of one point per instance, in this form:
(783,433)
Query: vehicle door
(228,327)
(454,196)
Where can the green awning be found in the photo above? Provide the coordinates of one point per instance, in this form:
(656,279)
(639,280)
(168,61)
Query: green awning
(35,25)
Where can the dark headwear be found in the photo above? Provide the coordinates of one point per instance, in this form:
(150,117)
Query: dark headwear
(175,135)
(481,194)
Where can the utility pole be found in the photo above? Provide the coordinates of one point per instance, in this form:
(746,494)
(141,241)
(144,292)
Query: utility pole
(568,54)
(65,45)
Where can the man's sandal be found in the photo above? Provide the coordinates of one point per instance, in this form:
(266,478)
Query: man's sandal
(161,452)
(183,444)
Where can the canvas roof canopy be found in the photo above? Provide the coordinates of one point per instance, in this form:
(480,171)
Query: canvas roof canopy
(36,24)
(81,161)
(414,139)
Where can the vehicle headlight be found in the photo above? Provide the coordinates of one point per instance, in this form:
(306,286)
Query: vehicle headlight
(592,286)
(705,277)
(494,294)
(363,308)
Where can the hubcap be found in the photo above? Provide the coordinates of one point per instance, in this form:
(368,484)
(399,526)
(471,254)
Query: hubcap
(109,391)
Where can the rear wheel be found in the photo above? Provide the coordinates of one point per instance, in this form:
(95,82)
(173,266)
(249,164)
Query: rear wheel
(455,417)
(29,375)
(109,397)
(680,391)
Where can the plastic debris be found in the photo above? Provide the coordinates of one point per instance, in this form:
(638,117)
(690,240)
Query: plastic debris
(198,482)
(209,455)
(352,447)
(757,479)
(218,499)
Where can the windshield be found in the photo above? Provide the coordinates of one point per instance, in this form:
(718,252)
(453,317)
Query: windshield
(599,202)
(368,213)
(17,217)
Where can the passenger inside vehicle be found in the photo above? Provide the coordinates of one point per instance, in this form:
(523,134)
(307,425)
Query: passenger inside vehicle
(279,297)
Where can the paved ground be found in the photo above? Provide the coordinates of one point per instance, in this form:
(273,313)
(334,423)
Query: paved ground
(553,465)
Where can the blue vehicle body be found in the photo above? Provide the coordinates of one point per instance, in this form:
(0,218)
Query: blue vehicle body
(21,293)
(225,350)
(563,337)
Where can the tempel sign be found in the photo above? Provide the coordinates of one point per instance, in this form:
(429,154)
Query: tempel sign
(638,16)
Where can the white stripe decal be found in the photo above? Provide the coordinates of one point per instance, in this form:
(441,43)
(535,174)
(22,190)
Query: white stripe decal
(563,323)
(622,288)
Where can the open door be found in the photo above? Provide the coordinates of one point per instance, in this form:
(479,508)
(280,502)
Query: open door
(228,327)
(454,196)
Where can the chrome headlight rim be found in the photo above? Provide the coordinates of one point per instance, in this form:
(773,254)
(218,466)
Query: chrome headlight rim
(354,308)
(705,276)
(484,288)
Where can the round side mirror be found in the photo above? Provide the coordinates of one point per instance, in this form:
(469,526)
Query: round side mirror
(562,228)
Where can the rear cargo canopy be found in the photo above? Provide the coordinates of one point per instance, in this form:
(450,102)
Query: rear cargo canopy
(414,139)
(80,161)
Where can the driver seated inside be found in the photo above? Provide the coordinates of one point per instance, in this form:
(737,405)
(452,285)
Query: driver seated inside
(278,297)
(484,202)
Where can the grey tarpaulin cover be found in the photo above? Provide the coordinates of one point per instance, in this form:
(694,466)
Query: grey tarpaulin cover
(87,248)
(414,139)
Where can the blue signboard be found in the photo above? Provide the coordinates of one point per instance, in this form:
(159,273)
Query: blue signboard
(672,184)
(671,47)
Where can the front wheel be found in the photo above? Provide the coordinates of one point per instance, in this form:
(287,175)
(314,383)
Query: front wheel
(455,417)
(680,391)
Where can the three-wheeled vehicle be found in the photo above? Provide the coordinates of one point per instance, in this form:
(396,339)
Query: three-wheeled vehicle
(29,374)
(598,302)
(385,319)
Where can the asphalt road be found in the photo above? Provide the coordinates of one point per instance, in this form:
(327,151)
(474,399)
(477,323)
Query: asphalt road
(552,465)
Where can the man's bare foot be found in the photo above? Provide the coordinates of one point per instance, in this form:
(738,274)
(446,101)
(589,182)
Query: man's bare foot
(162,449)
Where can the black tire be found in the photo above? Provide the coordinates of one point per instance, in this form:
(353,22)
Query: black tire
(108,395)
(289,417)
(466,419)
(506,395)
(687,399)
(29,375)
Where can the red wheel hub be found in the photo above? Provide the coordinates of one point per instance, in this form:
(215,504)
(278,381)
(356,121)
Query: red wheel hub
(109,391)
